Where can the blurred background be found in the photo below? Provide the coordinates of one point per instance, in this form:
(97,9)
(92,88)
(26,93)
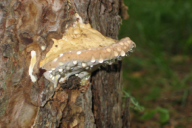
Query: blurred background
(157,76)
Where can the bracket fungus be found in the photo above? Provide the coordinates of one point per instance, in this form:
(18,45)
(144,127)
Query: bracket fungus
(82,50)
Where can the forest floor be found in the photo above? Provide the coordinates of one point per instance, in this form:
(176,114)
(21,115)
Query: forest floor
(165,95)
(158,75)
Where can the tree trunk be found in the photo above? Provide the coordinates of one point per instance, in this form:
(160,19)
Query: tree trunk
(27,25)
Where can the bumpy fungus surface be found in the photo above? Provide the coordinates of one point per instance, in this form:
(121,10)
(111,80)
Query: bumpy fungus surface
(80,51)
(81,38)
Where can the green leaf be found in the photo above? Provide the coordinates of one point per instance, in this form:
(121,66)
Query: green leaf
(134,103)
(148,115)
(164,114)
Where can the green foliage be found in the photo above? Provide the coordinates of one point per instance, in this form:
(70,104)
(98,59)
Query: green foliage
(153,94)
(166,23)
(134,103)
(158,74)
(162,112)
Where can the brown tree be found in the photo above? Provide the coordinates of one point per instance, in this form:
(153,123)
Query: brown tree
(27,25)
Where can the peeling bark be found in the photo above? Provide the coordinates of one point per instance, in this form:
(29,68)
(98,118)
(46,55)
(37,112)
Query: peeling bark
(30,25)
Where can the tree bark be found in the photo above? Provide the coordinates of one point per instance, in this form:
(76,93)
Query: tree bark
(27,25)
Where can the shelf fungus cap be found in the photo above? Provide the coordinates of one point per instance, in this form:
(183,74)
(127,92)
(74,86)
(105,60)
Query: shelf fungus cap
(81,50)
